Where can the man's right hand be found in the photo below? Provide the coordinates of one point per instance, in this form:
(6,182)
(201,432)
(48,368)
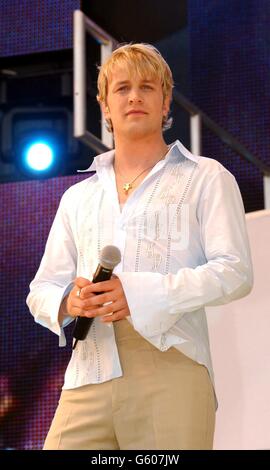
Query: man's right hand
(73,305)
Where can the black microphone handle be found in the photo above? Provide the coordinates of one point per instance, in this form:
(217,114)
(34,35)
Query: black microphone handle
(83,324)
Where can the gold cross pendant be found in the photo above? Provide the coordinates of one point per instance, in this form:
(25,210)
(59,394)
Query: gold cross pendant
(127,187)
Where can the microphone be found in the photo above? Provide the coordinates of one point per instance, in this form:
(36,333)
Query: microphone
(110,256)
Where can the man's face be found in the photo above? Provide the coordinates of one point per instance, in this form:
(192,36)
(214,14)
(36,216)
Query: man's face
(135,106)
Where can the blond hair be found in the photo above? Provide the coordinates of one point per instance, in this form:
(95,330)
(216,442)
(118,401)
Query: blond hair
(141,59)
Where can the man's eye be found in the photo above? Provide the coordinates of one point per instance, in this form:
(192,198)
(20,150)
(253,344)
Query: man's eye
(122,88)
(148,87)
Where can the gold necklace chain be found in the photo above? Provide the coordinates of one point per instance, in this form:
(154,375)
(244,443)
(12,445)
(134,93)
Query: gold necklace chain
(128,186)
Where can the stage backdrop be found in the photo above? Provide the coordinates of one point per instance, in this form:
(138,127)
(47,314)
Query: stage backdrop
(229,73)
(30,26)
(32,365)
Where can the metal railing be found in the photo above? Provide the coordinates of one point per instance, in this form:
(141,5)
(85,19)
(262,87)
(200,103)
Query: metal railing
(198,117)
(82,26)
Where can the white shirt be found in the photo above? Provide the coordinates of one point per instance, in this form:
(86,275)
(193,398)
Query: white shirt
(184,246)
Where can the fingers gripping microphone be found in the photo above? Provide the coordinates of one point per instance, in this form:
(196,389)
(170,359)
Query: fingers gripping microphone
(110,256)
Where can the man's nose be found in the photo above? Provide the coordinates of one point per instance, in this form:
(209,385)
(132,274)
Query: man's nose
(135,96)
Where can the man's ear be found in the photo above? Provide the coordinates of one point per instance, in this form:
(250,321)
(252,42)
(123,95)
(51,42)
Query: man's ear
(105,110)
(166,105)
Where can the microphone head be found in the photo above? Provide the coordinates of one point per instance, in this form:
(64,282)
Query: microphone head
(110,256)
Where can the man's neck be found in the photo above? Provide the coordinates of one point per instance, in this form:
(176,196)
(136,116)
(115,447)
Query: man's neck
(138,154)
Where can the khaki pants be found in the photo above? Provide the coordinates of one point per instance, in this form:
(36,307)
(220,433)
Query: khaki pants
(163,401)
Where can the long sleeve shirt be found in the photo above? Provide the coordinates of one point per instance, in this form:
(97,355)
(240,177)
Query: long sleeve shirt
(184,246)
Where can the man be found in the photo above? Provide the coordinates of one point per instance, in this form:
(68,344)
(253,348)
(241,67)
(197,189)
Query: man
(142,379)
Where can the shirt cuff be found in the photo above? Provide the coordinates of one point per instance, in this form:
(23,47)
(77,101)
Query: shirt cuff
(50,320)
(148,302)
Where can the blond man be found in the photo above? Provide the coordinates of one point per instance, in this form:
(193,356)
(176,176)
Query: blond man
(142,378)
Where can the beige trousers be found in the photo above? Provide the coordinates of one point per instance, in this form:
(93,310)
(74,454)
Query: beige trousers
(164,400)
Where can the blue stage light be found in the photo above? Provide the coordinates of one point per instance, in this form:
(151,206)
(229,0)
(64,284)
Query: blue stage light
(39,156)
(38,142)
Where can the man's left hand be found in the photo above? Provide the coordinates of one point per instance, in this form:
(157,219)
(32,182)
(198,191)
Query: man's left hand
(112,291)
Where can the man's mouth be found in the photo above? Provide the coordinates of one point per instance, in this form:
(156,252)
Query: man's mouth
(135,111)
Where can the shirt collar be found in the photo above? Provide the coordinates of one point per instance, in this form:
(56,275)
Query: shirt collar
(176,149)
